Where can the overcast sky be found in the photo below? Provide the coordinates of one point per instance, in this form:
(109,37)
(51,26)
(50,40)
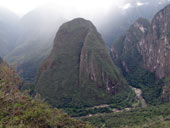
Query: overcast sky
(21,7)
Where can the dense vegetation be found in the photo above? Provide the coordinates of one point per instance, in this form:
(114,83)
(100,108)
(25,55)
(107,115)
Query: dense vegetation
(79,72)
(147,82)
(150,117)
(120,101)
(18,110)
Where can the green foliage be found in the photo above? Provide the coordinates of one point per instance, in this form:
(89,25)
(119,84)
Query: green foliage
(147,82)
(120,101)
(18,110)
(79,69)
(27,86)
(78,112)
(124,100)
(150,117)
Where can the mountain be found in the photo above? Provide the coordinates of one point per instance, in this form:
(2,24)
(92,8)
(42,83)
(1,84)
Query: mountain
(8,31)
(120,19)
(155,46)
(154,49)
(20,110)
(125,50)
(79,71)
(125,53)
(38,29)
(142,54)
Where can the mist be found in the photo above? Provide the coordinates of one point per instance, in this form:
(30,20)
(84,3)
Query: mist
(36,23)
(99,12)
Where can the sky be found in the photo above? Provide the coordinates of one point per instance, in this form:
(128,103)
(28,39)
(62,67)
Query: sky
(21,7)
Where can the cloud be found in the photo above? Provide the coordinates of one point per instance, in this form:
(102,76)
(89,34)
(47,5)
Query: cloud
(141,3)
(126,6)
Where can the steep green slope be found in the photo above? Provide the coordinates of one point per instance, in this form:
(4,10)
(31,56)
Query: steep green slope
(125,50)
(79,71)
(125,53)
(18,110)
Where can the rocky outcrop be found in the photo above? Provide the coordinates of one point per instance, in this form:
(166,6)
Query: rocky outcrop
(155,47)
(143,53)
(125,51)
(79,70)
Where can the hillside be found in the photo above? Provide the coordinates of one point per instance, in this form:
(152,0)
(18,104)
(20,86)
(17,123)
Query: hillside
(79,64)
(20,110)
(142,54)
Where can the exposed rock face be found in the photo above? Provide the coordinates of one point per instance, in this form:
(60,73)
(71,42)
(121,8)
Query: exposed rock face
(79,70)
(147,47)
(125,50)
(155,47)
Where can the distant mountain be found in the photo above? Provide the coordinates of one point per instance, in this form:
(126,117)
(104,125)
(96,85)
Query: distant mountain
(79,71)
(38,29)
(143,56)
(8,31)
(119,20)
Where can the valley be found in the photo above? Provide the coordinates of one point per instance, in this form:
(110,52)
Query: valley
(68,69)
(107,108)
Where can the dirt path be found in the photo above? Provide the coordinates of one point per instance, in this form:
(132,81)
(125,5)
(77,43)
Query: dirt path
(138,93)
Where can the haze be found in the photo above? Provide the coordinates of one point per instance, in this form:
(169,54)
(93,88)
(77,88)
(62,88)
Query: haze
(21,7)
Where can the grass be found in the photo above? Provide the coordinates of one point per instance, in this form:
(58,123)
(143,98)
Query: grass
(152,116)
